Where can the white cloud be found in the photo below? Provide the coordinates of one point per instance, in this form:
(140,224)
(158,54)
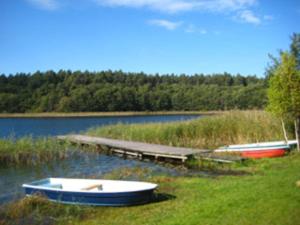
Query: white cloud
(173,6)
(191,28)
(169,25)
(45,4)
(248,16)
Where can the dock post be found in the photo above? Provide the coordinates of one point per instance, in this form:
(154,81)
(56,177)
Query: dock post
(140,156)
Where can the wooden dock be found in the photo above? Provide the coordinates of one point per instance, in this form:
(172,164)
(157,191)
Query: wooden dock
(137,149)
(143,150)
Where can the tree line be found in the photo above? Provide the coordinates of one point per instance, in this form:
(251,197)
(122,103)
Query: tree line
(82,91)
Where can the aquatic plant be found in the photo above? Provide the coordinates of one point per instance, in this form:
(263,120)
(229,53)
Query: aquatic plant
(135,173)
(208,132)
(27,150)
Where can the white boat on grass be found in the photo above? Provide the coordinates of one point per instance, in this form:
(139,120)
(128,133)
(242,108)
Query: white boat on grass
(92,192)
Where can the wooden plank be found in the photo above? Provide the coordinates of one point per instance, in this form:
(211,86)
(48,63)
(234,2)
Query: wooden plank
(216,157)
(138,147)
(166,155)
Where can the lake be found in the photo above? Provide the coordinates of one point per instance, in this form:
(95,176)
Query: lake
(79,164)
(18,127)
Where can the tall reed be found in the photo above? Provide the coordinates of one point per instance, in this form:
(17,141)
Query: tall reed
(27,150)
(209,132)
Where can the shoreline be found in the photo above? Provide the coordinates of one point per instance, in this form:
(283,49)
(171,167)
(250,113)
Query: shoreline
(237,196)
(102,114)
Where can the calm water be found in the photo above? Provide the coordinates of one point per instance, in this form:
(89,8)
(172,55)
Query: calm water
(80,164)
(18,127)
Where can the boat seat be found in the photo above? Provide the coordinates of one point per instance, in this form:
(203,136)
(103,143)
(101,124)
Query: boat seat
(93,186)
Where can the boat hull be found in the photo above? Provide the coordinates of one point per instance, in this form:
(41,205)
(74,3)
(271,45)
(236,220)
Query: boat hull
(256,151)
(97,199)
(93,198)
(263,153)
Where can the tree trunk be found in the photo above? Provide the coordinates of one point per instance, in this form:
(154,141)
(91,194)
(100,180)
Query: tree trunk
(297,132)
(284,131)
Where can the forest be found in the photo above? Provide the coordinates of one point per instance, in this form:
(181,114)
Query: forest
(83,91)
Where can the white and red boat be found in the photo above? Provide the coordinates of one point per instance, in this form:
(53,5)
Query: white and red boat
(259,150)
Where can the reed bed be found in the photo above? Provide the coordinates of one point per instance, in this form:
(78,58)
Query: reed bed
(209,132)
(28,151)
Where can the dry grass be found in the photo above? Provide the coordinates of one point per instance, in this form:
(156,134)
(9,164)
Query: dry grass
(38,210)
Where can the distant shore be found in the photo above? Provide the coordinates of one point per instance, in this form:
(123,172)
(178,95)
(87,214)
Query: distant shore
(102,114)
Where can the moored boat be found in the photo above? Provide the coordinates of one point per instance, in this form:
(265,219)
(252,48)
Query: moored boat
(290,143)
(92,192)
(258,150)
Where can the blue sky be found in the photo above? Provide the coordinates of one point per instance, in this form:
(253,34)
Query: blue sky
(154,36)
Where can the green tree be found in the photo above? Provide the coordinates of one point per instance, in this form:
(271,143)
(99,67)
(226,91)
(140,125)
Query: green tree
(64,105)
(284,90)
(76,91)
(8,103)
(295,48)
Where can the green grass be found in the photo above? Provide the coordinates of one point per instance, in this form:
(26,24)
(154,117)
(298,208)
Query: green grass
(208,132)
(38,210)
(30,151)
(268,196)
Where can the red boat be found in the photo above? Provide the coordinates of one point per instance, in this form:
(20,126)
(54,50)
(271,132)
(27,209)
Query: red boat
(258,150)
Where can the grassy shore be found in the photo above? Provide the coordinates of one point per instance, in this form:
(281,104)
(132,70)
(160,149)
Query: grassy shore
(101,114)
(28,151)
(231,127)
(267,196)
